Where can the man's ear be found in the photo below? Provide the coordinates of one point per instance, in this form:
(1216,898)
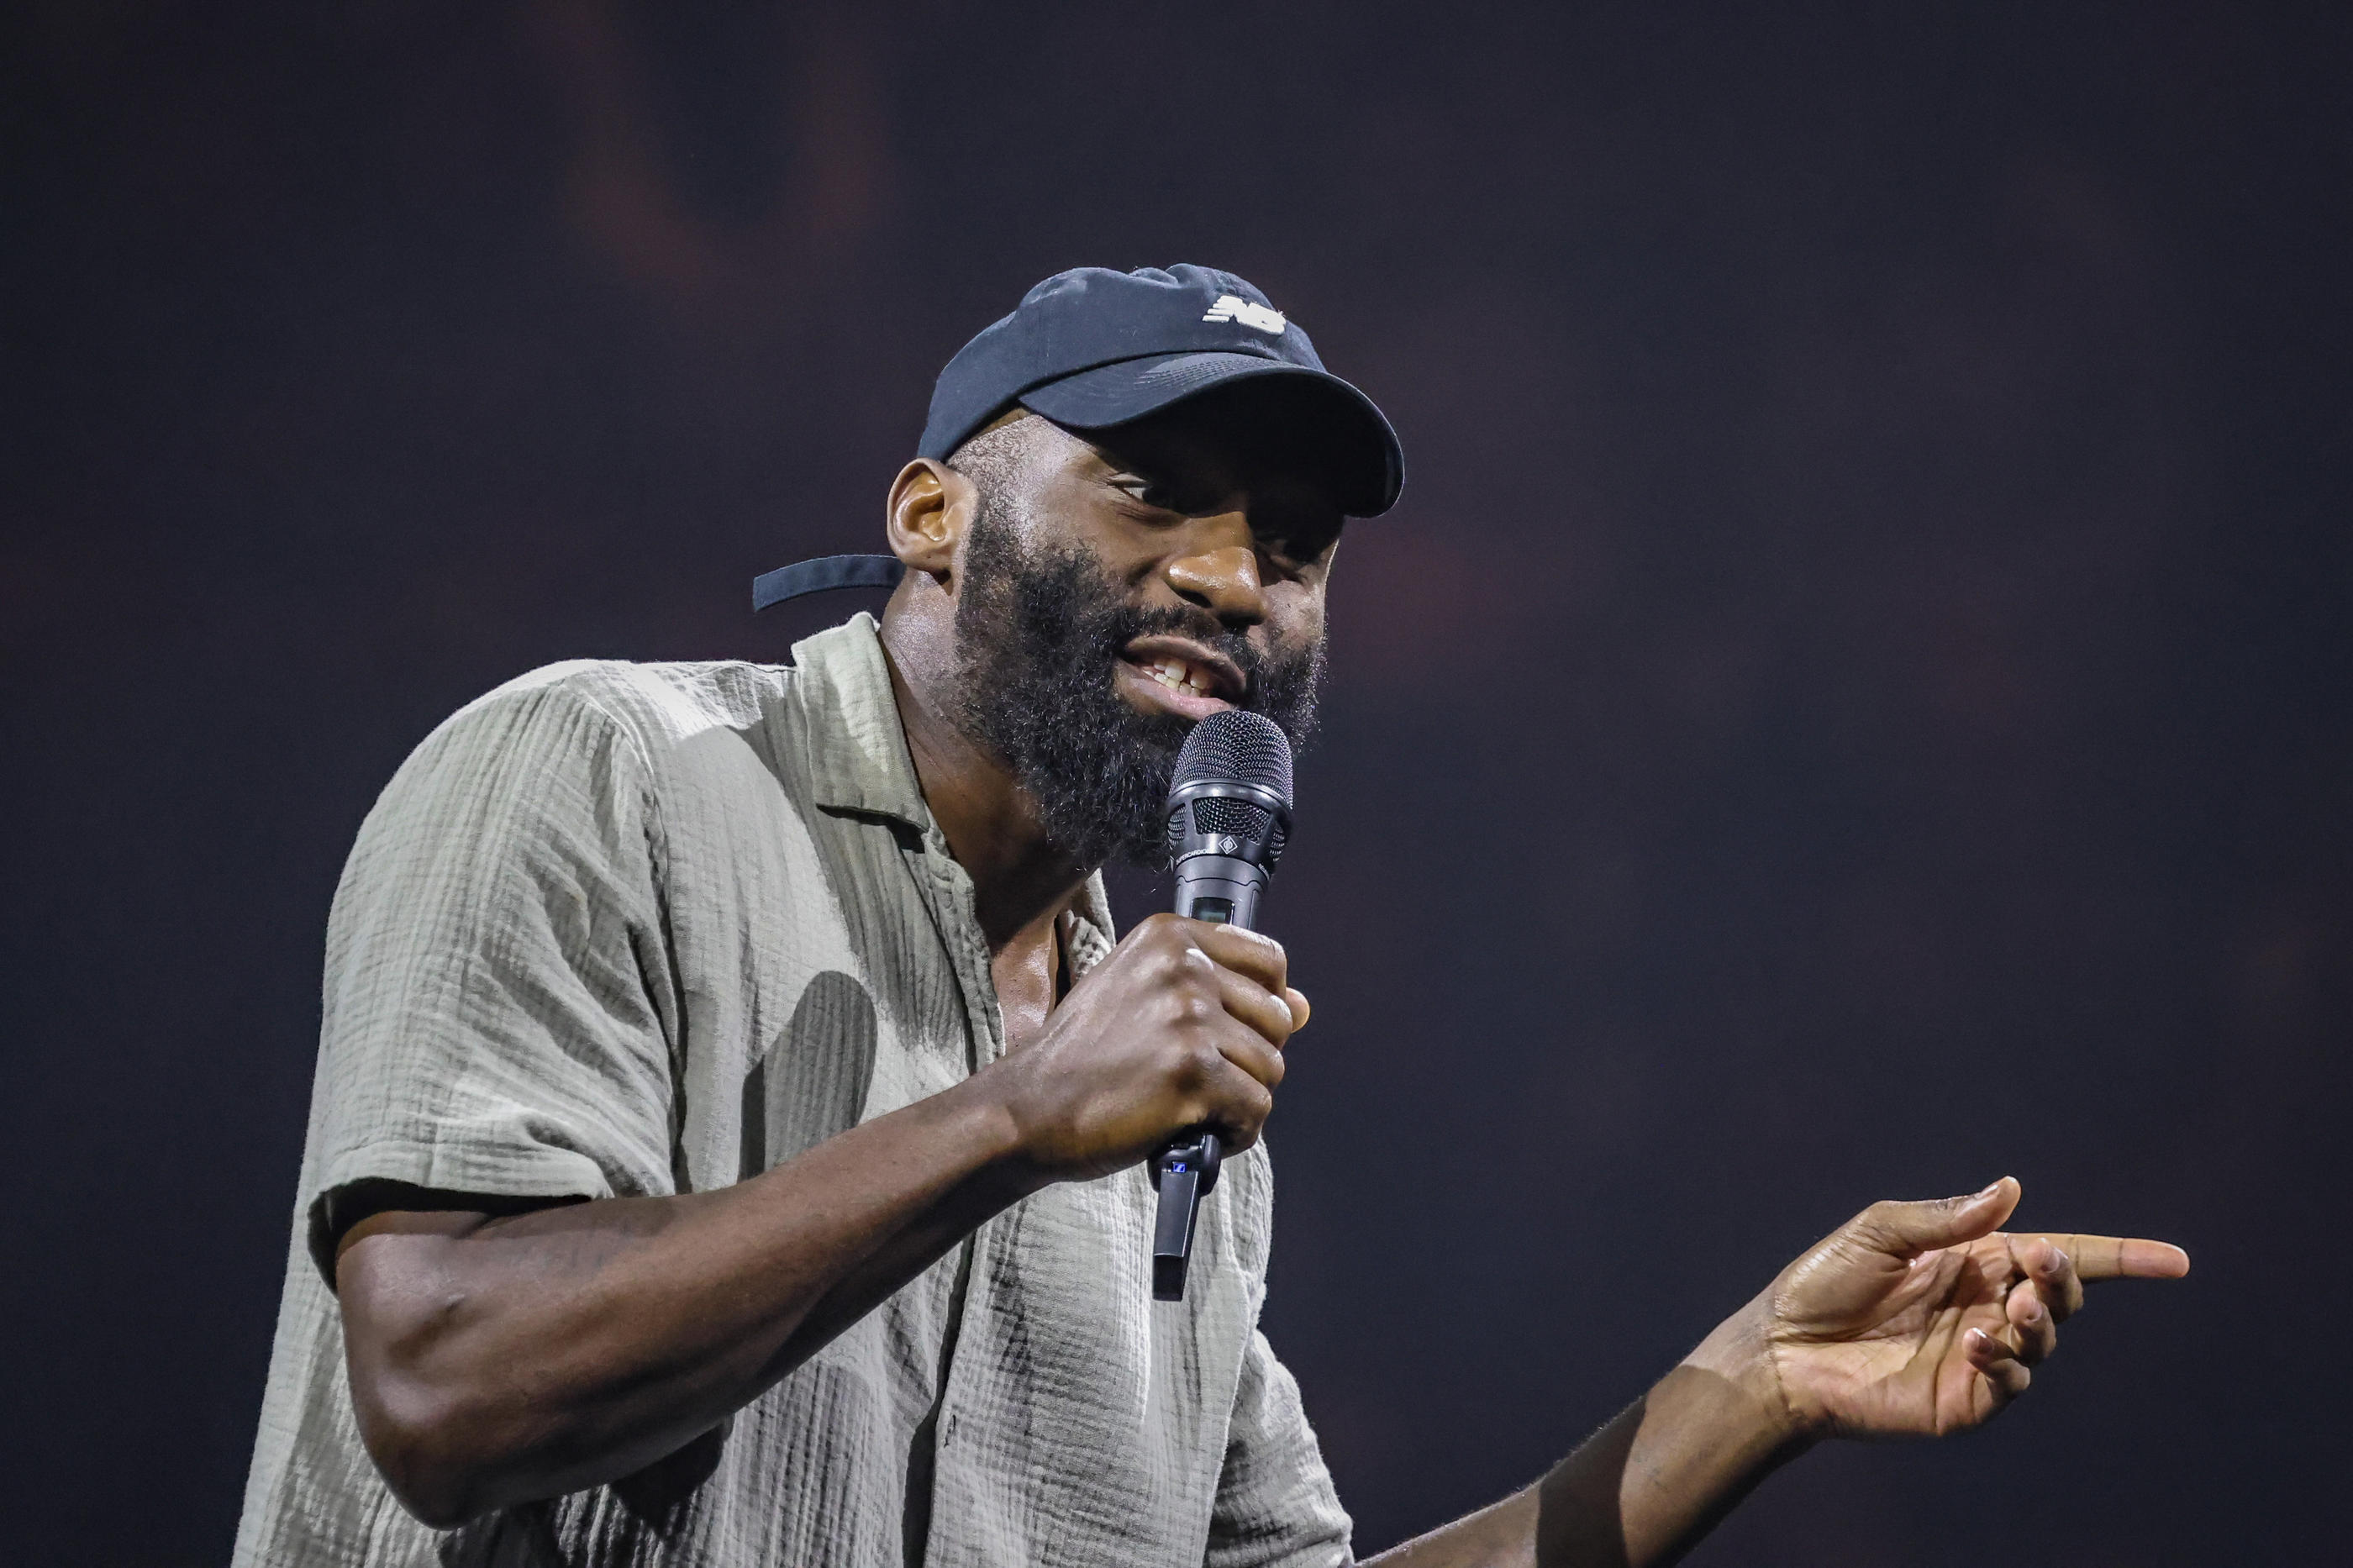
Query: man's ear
(930,509)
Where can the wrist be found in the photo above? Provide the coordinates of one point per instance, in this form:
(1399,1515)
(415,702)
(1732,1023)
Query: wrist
(1739,1352)
(1002,1157)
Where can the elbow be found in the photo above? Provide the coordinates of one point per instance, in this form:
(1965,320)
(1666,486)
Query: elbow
(426,1442)
(436,1501)
(425,1392)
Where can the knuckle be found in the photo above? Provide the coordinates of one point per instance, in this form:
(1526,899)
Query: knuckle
(1162,935)
(1245,1115)
(1198,1064)
(1173,969)
(1191,1009)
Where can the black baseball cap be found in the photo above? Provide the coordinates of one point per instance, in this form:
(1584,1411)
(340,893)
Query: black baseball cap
(1093,349)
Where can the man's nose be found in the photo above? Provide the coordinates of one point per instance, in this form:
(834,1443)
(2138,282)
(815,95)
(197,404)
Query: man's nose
(1223,581)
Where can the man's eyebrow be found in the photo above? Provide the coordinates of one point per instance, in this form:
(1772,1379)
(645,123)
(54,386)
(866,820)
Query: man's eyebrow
(1170,474)
(1113,465)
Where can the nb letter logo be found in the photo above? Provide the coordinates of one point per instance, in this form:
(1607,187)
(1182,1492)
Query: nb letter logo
(1257,317)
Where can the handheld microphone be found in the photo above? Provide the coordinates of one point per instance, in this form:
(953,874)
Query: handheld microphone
(1229,818)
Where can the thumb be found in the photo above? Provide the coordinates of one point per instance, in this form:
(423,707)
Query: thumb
(1909,1229)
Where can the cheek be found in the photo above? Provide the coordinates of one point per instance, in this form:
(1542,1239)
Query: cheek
(1061,516)
(1295,613)
(1123,558)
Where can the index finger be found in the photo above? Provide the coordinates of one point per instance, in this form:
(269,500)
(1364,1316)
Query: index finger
(2118,1256)
(1244,951)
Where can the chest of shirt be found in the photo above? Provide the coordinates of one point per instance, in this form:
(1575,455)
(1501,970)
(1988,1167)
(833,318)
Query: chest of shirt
(832,971)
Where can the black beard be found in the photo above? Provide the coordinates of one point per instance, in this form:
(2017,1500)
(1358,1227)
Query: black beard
(1039,637)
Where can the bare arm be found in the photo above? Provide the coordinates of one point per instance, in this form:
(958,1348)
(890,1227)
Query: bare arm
(1912,1320)
(1643,1490)
(498,1360)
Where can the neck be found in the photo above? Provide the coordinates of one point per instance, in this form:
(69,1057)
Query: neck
(1021,880)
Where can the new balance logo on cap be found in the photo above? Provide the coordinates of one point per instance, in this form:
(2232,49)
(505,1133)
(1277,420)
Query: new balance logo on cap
(1259,318)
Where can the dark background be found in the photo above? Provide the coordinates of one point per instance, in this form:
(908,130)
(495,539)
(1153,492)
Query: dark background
(1852,704)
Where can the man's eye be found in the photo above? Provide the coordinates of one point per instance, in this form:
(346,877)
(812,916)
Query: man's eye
(1151,492)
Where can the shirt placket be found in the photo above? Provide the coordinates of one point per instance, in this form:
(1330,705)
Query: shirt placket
(947,894)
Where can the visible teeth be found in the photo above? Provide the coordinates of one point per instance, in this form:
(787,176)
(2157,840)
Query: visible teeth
(1179,675)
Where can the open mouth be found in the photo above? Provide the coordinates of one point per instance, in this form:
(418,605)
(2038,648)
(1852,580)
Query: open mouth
(1180,675)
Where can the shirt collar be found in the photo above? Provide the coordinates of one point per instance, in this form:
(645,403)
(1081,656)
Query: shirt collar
(861,764)
(858,759)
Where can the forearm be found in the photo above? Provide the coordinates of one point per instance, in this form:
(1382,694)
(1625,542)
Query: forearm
(1644,1488)
(1650,1484)
(529,1357)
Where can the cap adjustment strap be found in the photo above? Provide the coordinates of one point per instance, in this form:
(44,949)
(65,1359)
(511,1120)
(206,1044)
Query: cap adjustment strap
(824,573)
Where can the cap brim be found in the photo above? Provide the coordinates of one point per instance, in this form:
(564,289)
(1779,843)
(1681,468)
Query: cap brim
(1357,446)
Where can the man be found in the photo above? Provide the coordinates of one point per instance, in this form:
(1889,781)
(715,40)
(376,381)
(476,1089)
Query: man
(728,1140)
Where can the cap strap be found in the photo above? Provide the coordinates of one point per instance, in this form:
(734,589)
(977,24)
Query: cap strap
(826,572)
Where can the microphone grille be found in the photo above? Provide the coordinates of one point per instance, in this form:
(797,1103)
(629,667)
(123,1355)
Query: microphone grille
(1235,746)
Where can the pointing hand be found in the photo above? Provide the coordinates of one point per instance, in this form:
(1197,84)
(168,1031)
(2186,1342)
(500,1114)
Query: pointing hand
(1920,1318)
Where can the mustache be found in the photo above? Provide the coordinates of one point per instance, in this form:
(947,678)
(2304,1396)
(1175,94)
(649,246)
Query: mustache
(1122,626)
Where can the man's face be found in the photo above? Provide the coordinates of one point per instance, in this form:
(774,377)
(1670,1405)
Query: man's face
(1115,592)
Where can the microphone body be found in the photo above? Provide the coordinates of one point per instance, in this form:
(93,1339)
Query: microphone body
(1228,819)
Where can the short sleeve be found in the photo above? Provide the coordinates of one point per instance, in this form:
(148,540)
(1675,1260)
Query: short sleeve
(494,1015)
(1275,1501)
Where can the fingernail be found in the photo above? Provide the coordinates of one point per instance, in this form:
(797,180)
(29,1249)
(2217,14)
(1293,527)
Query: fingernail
(1993,1187)
(2034,1310)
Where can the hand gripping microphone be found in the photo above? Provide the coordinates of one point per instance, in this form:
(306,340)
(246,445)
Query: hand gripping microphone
(1228,818)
